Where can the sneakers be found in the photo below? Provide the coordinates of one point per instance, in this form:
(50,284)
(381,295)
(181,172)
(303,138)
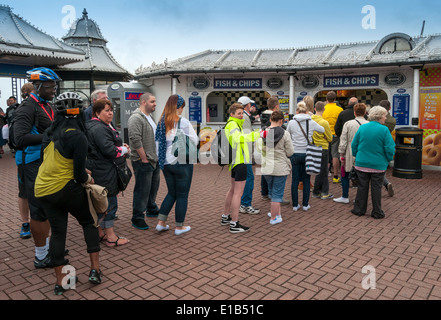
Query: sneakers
(316,196)
(304,208)
(25,232)
(328,196)
(277,220)
(46,262)
(342,200)
(336,180)
(162,228)
(265,197)
(225,221)
(249,210)
(140,224)
(178,232)
(43,263)
(390,190)
(238,228)
(95,276)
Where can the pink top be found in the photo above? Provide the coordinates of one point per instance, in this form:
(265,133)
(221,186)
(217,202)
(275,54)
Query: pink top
(369,170)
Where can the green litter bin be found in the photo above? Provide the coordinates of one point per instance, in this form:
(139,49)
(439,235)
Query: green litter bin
(409,153)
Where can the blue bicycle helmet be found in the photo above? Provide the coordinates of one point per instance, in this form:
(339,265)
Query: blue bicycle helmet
(42,74)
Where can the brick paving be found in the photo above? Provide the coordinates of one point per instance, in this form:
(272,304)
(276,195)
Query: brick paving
(317,255)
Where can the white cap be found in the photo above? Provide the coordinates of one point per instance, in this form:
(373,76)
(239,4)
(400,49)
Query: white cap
(244,101)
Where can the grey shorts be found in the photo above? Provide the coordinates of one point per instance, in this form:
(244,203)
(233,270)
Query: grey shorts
(333,147)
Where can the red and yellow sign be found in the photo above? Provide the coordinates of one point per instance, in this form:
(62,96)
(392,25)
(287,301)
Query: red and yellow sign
(430,109)
(430,79)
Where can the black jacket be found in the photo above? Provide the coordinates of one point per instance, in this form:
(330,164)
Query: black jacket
(344,116)
(26,116)
(103,152)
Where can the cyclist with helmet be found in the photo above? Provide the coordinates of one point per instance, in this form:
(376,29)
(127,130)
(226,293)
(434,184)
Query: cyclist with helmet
(33,117)
(59,184)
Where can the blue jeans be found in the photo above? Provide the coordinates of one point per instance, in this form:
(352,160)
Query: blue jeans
(178,178)
(299,174)
(263,186)
(109,219)
(276,187)
(146,188)
(345,185)
(247,196)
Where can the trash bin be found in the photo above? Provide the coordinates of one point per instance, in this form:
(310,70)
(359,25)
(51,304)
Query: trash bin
(409,153)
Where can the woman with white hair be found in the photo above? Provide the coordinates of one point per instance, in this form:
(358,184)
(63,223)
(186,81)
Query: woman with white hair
(373,149)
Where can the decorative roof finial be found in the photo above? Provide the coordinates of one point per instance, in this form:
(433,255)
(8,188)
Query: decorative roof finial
(85,14)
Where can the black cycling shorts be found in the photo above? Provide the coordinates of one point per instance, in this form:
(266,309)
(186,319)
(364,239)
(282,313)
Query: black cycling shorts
(239,172)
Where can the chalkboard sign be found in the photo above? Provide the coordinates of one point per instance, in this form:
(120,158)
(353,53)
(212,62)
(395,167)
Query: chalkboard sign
(401,108)
(195,109)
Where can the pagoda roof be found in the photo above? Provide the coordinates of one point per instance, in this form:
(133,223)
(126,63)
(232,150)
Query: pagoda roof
(21,43)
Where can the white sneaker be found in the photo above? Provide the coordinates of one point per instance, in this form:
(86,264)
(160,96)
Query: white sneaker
(342,200)
(296,208)
(306,208)
(162,228)
(249,210)
(178,232)
(277,220)
(269,215)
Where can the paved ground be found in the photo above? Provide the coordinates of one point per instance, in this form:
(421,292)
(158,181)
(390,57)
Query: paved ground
(316,255)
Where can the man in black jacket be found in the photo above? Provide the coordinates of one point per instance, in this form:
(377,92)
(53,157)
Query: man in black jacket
(345,116)
(32,118)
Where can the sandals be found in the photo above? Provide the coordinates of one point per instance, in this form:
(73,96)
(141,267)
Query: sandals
(115,243)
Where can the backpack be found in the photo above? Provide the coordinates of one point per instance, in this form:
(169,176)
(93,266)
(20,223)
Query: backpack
(11,141)
(221,149)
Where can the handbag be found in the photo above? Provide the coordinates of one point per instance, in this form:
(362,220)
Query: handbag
(353,173)
(313,161)
(182,147)
(124,174)
(353,176)
(98,201)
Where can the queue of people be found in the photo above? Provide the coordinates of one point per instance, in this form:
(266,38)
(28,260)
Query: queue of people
(60,151)
(284,151)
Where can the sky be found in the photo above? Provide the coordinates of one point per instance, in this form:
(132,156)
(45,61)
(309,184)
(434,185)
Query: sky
(140,32)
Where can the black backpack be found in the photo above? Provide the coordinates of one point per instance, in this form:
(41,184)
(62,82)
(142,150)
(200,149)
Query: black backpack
(11,141)
(221,149)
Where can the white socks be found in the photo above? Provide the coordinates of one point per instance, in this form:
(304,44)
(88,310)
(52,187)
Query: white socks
(41,252)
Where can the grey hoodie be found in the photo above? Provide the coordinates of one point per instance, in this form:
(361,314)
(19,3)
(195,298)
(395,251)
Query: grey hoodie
(298,139)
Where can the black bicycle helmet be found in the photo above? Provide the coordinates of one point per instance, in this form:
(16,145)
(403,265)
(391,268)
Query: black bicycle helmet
(69,104)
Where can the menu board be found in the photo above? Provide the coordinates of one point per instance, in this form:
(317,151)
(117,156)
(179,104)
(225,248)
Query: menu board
(401,108)
(430,108)
(195,109)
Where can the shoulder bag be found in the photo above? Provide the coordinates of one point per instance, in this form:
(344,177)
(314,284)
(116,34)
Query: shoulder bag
(313,160)
(353,173)
(123,173)
(182,147)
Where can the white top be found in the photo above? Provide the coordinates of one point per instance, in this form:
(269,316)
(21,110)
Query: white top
(297,137)
(150,120)
(188,129)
